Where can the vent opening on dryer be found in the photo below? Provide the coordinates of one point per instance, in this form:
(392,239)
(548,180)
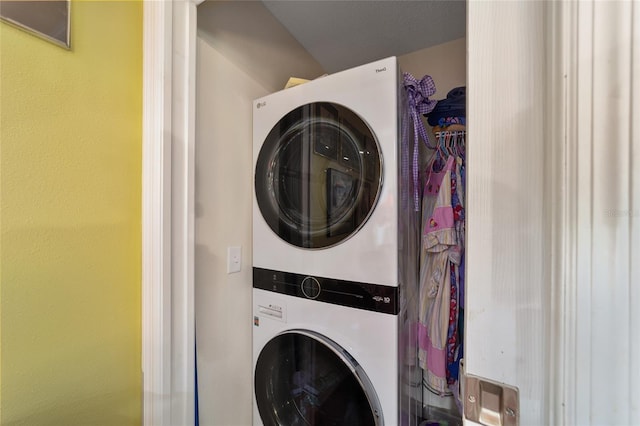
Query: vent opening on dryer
(318,175)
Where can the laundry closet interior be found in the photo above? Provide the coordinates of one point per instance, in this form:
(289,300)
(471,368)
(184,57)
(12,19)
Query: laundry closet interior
(244,54)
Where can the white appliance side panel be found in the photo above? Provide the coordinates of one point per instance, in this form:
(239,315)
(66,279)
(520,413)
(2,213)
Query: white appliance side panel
(507,290)
(371,254)
(371,338)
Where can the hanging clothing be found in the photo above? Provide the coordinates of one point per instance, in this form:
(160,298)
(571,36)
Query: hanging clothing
(453,338)
(442,264)
(439,237)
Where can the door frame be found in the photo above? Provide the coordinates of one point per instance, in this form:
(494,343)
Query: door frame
(594,109)
(168,325)
(168,328)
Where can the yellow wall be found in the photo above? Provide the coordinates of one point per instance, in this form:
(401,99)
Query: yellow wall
(70,221)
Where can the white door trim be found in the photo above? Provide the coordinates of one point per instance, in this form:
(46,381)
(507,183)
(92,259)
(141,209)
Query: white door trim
(599,210)
(168,335)
(561,232)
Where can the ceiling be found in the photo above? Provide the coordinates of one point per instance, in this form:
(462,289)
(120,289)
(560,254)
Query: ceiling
(346,33)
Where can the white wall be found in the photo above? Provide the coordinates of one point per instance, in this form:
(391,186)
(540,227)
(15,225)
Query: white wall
(251,39)
(223,218)
(446,63)
(243,53)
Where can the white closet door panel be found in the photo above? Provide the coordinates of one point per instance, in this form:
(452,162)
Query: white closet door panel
(507,288)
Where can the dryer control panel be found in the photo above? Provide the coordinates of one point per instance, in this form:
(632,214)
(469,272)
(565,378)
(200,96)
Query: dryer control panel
(371,297)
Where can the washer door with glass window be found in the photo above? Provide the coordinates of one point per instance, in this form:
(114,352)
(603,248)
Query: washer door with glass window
(303,378)
(318,175)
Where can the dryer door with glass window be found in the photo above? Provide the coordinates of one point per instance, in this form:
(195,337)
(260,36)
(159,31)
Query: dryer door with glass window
(318,175)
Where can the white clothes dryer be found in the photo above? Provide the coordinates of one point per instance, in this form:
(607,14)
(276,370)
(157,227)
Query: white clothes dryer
(327,169)
(335,253)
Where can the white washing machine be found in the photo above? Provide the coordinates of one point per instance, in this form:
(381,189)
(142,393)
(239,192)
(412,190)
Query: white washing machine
(319,364)
(335,253)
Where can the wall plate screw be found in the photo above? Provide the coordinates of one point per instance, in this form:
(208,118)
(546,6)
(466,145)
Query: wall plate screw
(472,399)
(510,412)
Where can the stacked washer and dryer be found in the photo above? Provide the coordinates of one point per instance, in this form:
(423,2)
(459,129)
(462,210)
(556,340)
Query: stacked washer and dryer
(335,253)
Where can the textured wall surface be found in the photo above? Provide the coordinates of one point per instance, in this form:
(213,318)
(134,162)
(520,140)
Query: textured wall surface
(70,168)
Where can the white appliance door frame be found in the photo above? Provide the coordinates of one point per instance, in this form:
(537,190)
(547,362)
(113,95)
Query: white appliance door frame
(525,92)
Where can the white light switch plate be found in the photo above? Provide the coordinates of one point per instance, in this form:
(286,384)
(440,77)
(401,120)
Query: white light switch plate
(234,259)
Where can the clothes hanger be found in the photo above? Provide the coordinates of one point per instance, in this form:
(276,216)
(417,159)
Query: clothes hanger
(452,142)
(459,140)
(443,146)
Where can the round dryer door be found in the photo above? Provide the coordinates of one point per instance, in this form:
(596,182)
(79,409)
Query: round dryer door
(303,378)
(318,175)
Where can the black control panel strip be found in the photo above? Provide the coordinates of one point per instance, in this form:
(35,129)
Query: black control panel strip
(371,297)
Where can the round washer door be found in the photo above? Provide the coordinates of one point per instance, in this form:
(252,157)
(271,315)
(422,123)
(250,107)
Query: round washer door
(318,175)
(303,378)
